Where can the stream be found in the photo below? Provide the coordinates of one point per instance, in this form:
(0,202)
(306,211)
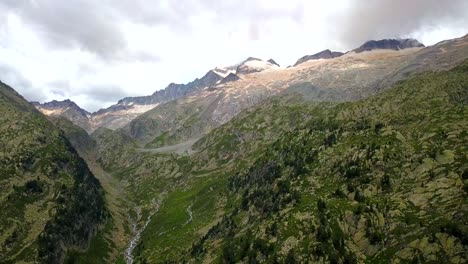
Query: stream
(129,258)
(189,212)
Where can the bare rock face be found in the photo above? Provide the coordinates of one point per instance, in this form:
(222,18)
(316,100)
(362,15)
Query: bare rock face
(273,62)
(174,90)
(68,109)
(324,54)
(232,77)
(392,44)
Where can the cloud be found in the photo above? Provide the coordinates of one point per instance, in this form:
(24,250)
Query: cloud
(15,79)
(104,92)
(91,97)
(96,26)
(71,24)
(365,20)
(89,25)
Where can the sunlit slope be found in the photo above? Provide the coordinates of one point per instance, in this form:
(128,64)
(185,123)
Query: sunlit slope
(378,180)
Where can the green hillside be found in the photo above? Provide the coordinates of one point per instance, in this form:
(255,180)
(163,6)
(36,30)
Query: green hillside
(380,180)
(51,204)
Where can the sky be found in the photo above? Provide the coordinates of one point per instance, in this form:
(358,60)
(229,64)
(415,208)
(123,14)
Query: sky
(97,52)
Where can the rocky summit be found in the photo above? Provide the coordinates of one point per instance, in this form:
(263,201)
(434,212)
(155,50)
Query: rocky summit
(392,44)
(325,54)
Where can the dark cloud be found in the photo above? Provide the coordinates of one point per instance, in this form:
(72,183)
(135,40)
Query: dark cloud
(141,56)
(105,92)
(17,81)
(91,97)
(89,25)
(96,26)
(99,96)
(84,24)
(366,20)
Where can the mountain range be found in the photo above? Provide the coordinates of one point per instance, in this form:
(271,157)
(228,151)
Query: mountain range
(127,109)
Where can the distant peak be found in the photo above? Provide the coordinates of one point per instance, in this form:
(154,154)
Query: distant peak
(273,62)
(232,77)
(324,54)
(252,65)
(67,103)
(391,44)
(252,59)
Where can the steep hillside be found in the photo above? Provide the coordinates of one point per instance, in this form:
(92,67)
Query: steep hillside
(381,180)
(51,203)
(66,109)
(323,55)
(109,243)
(78,137)
(359,158)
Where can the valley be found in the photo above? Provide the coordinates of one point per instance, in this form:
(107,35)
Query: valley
(356,157)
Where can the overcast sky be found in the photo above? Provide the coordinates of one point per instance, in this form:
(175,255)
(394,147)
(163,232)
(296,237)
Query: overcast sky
(98,51)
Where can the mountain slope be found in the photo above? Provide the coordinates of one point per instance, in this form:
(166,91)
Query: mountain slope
(381,180)
(393,44)
(66,109)
(350,77)
(126,109)
(377,180)
(325,54)
(51,203)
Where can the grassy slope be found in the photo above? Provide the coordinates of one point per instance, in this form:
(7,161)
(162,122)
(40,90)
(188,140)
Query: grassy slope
(380,179)
(389,172)
(51,203)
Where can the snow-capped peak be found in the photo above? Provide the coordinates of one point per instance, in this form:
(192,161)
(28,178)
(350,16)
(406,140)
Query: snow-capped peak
(223,72)
(252,65)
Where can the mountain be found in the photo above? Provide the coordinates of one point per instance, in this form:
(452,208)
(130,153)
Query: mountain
(52,205)
(253,65)
(272,61)
(350,77)
(126,109)
(224,92)
(231,77)
(118,115)
(392,44)
(67,109)
(359,158)
(325,54)
(174,91)
(381,180)
(294,180)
